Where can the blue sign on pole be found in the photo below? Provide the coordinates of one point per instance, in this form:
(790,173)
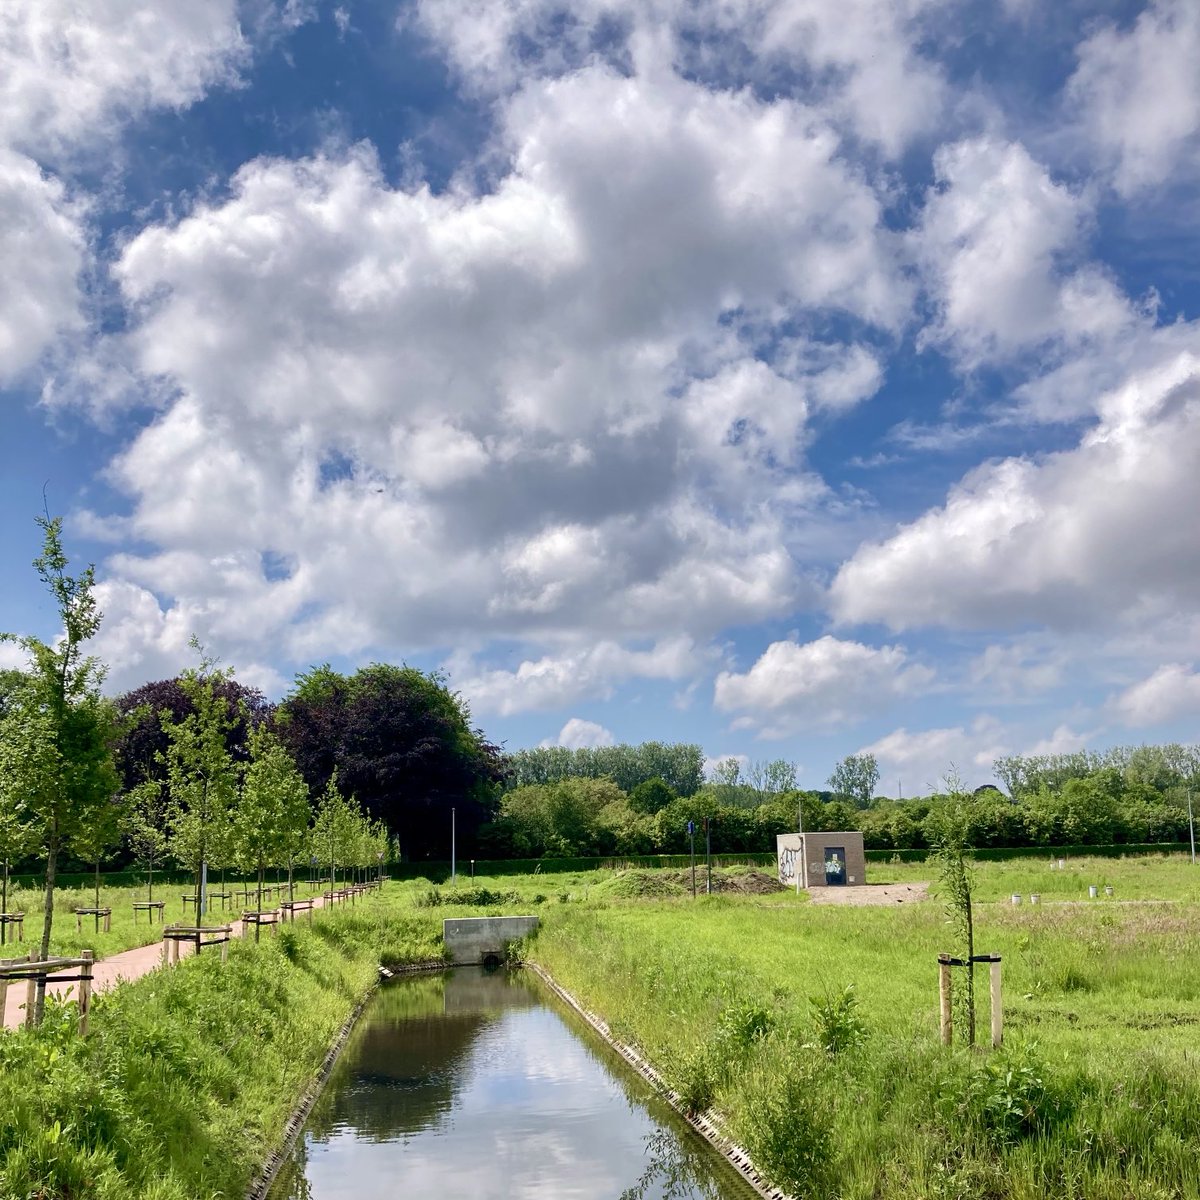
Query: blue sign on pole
(691,828)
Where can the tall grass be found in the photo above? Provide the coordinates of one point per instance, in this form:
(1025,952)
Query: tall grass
(189,1074)
(848,1094)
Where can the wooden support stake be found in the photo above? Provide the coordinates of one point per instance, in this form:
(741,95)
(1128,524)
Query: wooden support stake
(30,1000)
(85,991)
(224,949)
(4,987)
(945,995)
(997,1005)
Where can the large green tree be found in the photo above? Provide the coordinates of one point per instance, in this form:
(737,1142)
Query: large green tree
(402,744)
(58,727)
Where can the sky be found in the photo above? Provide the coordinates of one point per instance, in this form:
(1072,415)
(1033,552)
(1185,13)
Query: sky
(799,378)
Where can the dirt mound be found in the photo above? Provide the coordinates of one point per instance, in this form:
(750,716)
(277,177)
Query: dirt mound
(656,885)
(639,885)
(735,882)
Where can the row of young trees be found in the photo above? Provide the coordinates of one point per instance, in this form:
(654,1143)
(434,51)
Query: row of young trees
(202,772)
(196,803)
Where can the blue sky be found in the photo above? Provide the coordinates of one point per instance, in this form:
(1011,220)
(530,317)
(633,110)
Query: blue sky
(794,377)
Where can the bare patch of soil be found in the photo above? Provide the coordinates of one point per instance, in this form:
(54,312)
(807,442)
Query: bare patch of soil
(870,894)
(738,883)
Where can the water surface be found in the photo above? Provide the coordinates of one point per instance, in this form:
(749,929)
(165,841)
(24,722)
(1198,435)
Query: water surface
(473,1084)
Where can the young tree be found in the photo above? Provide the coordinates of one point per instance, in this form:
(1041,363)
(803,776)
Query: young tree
(950,828)
(60,758)
(201,777)
(855,779)
(146,826)
(333,828)
(95,837)
(271,814)
(16,833)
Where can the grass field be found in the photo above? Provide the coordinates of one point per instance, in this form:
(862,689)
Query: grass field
(812,1028)
(128,929)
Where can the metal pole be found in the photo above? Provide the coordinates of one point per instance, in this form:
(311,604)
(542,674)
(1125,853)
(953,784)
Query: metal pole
(1191,827)
(945,1003)
(997,1005)
(708,850)
(453,846)
(203,897)
(692,839)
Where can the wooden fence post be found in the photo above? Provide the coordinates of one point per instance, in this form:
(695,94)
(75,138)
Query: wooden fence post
(997,1004)
(85,990)
(30,999)
(4,986)
(945,995)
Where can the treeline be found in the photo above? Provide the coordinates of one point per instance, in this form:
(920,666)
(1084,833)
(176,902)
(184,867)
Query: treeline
(679,765)
(1128,795)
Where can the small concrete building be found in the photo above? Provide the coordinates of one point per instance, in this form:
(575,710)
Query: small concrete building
(810,860)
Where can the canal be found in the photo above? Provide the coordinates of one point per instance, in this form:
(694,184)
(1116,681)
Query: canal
(475,1084)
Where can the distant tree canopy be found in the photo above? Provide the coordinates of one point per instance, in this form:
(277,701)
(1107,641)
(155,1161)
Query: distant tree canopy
(679,765)
(144,740)
(402,744)
(855,778)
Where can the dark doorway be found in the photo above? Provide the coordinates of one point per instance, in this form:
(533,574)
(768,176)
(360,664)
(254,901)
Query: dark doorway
(835,865)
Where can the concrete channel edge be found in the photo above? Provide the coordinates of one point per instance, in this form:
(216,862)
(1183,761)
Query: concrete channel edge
(707,1124)
(265,1178)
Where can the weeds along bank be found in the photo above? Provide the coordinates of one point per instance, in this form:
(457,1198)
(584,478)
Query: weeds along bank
(814,1031)
(189,1074)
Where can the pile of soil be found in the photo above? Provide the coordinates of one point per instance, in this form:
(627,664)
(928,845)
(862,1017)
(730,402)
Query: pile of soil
(640,885)
(738,883)
(654,885)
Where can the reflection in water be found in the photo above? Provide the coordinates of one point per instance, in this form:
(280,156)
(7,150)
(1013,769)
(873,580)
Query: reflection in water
(468,1085)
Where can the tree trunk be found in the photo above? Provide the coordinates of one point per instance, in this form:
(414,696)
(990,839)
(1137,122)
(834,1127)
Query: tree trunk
(39,1005)
(97,904)
(151,895)
(291,886)
(4,904)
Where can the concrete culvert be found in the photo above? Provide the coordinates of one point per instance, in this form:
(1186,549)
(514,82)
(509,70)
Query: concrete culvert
(492,961)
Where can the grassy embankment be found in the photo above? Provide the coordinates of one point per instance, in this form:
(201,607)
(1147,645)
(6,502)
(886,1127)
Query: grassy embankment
(189,1075)
(740,999)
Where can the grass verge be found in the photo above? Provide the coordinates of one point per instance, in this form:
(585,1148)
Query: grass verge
(190,1074)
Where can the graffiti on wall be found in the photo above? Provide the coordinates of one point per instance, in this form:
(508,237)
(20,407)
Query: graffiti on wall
(789,856)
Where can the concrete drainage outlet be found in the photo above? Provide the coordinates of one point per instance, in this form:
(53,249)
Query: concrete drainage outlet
(484,940)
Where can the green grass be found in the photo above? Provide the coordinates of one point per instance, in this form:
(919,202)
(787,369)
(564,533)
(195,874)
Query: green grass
(128,929)
(1152,877)
(190,1074)
(1095,1094)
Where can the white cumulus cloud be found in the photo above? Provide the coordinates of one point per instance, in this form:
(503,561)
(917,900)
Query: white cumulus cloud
(578,734)
(1136,94)
(1171,692)
(1073,539)
(828,681)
